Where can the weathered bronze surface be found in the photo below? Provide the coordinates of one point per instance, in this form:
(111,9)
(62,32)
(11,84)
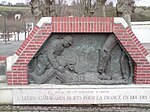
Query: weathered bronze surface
(81,59)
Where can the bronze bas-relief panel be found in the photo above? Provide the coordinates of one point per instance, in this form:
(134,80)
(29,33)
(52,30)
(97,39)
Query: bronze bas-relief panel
(81,59)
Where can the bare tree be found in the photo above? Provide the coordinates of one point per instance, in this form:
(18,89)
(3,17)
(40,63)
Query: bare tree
(100,8)
(125,8)
(27,2)
(111,4)
(90,7)
(78,7)
(60,7)
(3,2)
(42,8)
(48,8)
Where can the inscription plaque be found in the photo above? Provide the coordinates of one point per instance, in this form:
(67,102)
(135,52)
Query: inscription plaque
(81,95)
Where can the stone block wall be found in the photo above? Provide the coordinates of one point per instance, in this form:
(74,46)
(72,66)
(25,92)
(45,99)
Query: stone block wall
(47,25)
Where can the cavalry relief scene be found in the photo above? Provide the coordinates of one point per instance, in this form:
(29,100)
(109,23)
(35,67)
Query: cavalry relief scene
(81,59)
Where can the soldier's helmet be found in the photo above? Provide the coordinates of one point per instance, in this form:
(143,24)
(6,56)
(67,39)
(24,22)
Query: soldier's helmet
(69,39)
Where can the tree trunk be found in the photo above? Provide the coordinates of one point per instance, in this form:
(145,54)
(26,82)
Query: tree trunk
(25,34)
(127,18)
(18,36)
(100,8)
(8,36)
(43,8)
(35,8)
(14,35)
(103,11)
(125,9)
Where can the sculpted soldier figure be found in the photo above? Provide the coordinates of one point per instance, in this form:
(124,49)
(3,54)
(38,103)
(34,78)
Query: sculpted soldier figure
(104,58)
(60,62)
(45,65)
(105,54)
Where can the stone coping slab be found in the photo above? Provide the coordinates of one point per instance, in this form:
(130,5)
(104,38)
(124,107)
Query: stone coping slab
(51,86)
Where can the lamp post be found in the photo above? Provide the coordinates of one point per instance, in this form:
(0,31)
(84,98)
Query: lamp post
(5,29)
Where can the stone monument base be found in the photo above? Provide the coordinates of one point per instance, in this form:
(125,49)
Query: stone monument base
(75,94)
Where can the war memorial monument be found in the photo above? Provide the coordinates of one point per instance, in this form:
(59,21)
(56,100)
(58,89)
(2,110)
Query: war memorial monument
(78,64)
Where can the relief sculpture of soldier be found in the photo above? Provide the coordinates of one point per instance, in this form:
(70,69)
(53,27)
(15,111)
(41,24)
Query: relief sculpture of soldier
(61,62)
(45,65)
(104,58)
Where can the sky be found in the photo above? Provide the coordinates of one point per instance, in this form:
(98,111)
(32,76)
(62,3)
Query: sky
(143,3)
(14,1)
(139,3)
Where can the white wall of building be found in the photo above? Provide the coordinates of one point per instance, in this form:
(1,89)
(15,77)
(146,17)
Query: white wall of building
(142,31)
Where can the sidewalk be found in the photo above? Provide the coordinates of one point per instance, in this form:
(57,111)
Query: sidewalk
(9,48)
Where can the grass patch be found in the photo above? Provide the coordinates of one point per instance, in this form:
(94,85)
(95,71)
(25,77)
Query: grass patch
(10,8)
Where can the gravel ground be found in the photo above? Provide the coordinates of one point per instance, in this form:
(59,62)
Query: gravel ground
(67,108)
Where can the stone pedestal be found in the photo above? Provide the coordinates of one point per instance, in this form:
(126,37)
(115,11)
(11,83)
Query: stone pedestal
(74,94)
